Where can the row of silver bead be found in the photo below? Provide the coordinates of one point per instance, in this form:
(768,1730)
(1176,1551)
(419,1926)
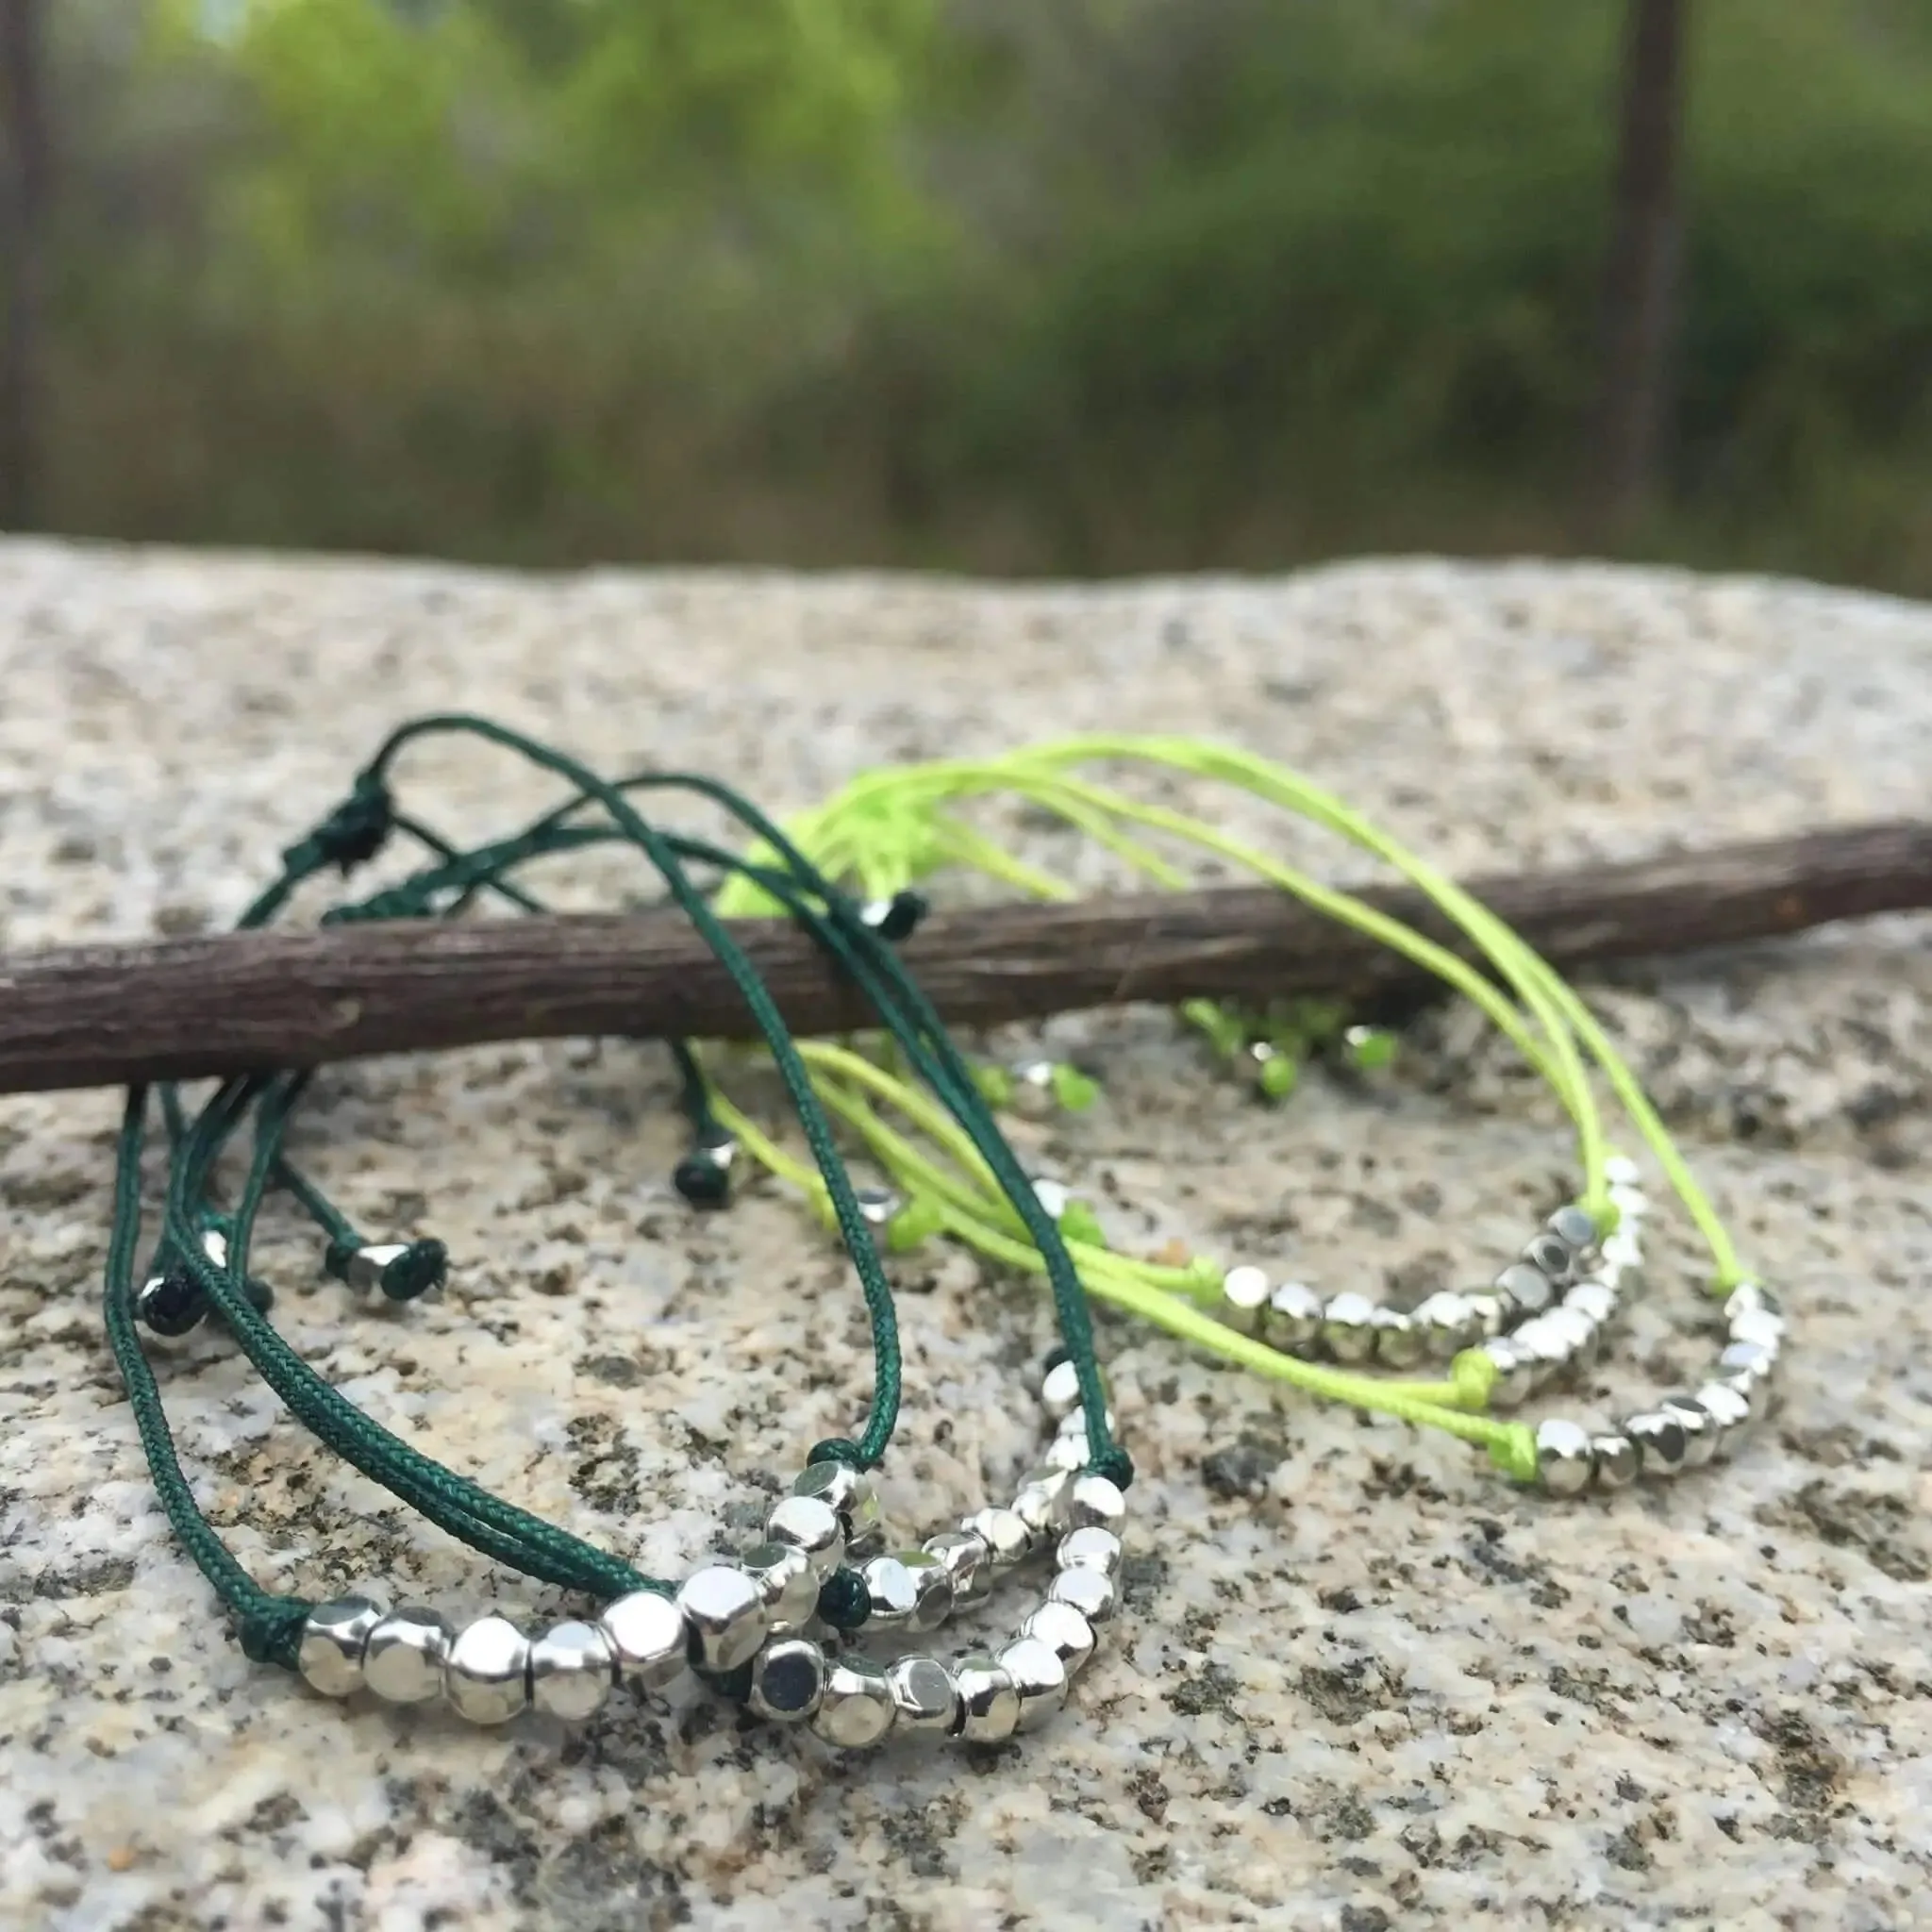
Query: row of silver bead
(1684,1431)
(811,1676)
(1546,1315)
(1543,1314)
(757,1610)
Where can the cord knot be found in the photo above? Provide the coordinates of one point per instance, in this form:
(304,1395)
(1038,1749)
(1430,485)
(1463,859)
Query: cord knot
(1117,1466)
(271,1636)
(838,1449)
(351,835)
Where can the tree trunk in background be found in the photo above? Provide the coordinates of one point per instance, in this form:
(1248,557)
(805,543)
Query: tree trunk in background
(22,257)
(1640,282)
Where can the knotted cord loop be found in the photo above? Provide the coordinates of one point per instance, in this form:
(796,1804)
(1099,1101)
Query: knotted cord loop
(351,835)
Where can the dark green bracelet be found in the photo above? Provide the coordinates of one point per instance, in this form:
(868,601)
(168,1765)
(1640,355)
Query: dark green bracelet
(765,1626)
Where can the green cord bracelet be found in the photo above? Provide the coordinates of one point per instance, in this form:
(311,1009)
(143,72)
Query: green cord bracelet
(405,1654)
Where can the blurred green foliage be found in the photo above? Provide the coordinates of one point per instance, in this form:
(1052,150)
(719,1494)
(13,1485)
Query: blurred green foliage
(1098,285)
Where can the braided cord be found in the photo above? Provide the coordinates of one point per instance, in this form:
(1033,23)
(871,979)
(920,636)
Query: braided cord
(270,1623)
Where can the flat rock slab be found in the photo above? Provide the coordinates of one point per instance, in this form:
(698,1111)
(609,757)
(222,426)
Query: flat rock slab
(1360,1682)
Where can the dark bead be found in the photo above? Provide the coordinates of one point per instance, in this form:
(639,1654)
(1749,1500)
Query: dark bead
(703,1179)
(790,1682)
(174,1304)
(902,916)
(844,1603)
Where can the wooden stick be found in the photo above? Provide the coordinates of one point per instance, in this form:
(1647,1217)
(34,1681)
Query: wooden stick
(179,1009)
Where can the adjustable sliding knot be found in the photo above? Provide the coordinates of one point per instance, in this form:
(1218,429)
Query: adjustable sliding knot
(844,1602)
(271,1636)
(837,1449)
(351,835)
(1117,1466)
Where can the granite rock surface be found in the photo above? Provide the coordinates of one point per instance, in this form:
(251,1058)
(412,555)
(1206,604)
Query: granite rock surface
(1361,1683)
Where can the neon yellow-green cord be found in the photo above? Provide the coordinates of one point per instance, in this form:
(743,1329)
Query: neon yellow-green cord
(889,829)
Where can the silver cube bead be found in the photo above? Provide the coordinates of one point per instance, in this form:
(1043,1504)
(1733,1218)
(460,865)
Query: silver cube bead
(403,1660)
(1007,1539)
(1095,1502)
(1551,1256)
(1397,1344)
(856,1705)
(1621,1172)
(1348,1327)
(1070,1634)
(364,1269)
(1526,1288)
(989,1701)
(1516,1372)
(1090,1548)
(1068,1453)
(850,1492)
(1624,1248)
(1700,1428)
(907,1592)
(1730,1410)
(487,1674)
(1593,1298)
(1042,1500)
(1629,1198)
(1073,1423)
(1577,1332)
(1541,1351)
(1245,1299)
(1089,1591)
(786,1580)
(1564,1458)
(966,1560)
(1053,1197)
(1617,1460)
(1294,1316)
(1575,1226)
(810,1525)
(1059,1390)
(1759,1325)
(1447,1323)
(923,1695)
(726,1615)
(573,1670)
(648,1637)
(1039,1678)
(1747,1366)
(334,1636)
(876,1207)
(787,1680)
(1492,1312)
(1752,1296)
(1662,1443)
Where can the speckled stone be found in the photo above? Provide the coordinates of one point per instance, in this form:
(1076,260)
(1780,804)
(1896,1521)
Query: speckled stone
(1355,1681)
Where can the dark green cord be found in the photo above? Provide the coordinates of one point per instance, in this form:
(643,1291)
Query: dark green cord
(270,1624)
(350,835)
